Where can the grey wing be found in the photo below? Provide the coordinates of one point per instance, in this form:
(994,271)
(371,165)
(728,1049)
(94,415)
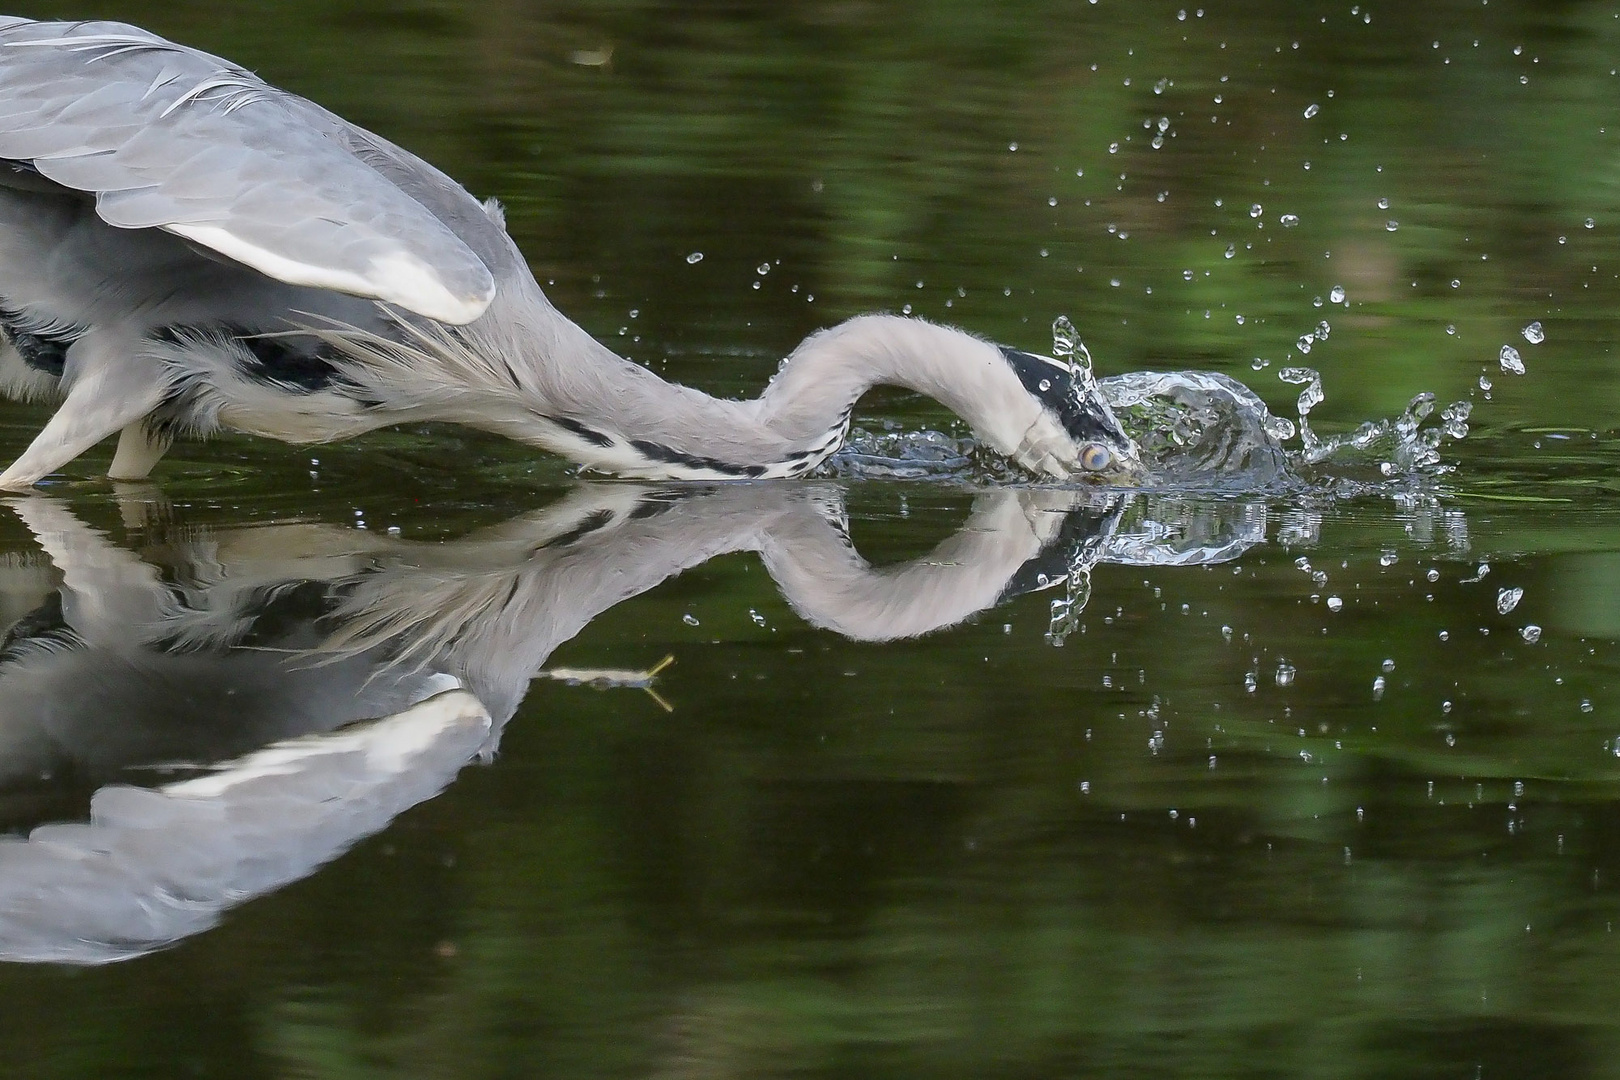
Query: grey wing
(154,866)
(172,138)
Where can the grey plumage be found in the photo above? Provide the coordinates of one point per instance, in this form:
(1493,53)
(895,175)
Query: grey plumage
(185,248)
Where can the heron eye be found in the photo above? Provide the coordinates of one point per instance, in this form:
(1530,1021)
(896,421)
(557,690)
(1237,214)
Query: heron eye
(1095,457)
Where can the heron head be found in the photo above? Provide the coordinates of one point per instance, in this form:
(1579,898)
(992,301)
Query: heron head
(1078,436)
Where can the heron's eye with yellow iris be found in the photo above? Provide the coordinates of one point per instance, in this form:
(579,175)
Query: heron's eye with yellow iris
(1094,457)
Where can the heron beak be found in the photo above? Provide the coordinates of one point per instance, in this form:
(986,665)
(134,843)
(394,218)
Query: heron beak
(1128,471)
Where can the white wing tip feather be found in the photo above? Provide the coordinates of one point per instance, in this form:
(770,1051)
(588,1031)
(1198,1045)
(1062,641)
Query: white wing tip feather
(396,278)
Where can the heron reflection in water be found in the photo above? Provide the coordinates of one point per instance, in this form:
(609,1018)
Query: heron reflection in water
(308,683)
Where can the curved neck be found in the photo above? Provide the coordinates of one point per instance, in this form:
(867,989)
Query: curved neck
(611,414)
(526,371)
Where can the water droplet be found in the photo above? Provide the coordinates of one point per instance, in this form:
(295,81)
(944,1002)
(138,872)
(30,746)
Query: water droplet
(1534,334)
(1378,687)
(689,619)
(1312,110)
(1013,147)
(695,257)
(1285,674)
(1383,204)
(1231,250)
(1433,575)
(1335,603)
(1051,201)
(1510,360)
(1113,148)
(1485,383)
(1531,633)
(1336,294)
(1186,275)
(1256,210)
(1508,599)
(1590,223)
(1288,221)
(1304,343)
(1586,705)
(763,269)
(1259,363)
(1045,385)
(1391,225)
(1159,87)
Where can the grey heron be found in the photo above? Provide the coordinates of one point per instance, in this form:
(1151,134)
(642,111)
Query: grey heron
(185,249)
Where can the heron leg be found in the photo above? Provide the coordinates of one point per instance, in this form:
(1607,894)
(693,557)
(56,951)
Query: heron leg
(139,448)
(108,388)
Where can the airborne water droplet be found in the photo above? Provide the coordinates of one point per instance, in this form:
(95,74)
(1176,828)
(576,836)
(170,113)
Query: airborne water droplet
(1045,385)
(1508,599)
(1288,221)
(1534,334)
(695,257)
(1256,210)
(1337,294)
(1231,250)
(1312,110)
(1510,360)
(1531,634)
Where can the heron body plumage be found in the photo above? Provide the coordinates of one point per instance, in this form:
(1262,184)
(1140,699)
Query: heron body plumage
(184,249)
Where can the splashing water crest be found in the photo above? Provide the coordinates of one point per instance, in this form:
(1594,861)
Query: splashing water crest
(1198,429)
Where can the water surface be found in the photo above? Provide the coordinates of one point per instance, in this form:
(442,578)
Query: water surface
(1296,783)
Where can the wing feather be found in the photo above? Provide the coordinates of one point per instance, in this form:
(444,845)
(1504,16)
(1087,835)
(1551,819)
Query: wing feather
(172,138)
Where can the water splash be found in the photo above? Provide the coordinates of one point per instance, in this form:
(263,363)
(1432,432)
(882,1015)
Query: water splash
(1198,429)
(1193,426)
(1067,346)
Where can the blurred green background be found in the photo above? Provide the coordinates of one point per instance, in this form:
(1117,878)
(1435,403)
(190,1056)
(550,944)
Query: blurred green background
(842,860)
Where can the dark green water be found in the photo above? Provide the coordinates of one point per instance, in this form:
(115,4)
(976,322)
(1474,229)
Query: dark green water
(1193,840)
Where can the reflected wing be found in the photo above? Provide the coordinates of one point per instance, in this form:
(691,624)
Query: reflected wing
(154,866)
(172,138)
